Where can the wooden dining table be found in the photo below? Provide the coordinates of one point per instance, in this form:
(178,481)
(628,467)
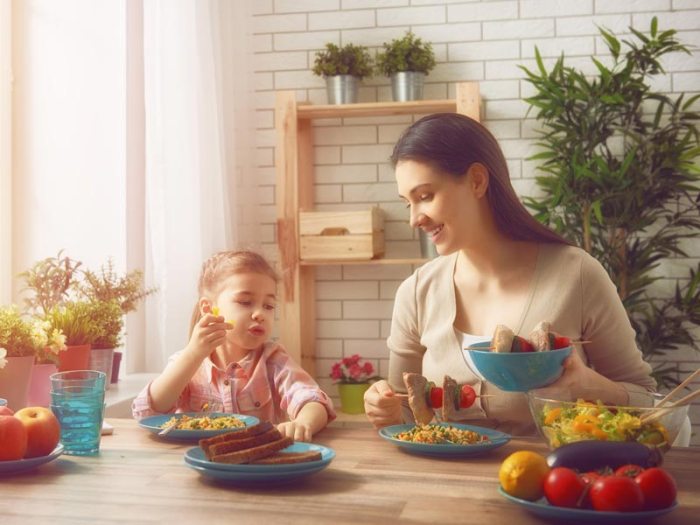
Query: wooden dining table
(140,478)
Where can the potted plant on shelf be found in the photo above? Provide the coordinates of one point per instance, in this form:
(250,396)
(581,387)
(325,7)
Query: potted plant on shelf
(118,295)
(407,61)
(18,353)
(342,68)
(353,378)
(621,179)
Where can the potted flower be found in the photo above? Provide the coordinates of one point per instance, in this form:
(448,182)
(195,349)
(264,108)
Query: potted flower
(18,351)
(110,288)
(343,68)
(353,378)
(49,342)
(75,320)
(109,321)
(407,61)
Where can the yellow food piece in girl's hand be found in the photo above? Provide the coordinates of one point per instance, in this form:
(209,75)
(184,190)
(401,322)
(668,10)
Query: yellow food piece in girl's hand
(215,310)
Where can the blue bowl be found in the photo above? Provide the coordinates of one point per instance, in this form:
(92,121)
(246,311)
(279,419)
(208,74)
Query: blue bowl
(516,372)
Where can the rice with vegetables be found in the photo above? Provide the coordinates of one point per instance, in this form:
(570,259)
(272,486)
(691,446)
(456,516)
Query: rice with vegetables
(441,435)
(203,423)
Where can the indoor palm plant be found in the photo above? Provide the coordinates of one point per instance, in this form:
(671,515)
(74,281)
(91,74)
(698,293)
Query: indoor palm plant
(342,68)
(407,61)
(621,179)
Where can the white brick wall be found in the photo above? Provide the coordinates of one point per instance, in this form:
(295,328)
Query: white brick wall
(474,40)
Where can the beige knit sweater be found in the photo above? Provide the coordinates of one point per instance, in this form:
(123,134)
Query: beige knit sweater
(570,289)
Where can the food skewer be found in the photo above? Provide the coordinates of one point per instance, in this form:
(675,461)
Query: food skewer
(467,396)
(679,387)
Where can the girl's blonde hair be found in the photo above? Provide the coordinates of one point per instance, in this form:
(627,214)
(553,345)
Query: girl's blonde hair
(224,264)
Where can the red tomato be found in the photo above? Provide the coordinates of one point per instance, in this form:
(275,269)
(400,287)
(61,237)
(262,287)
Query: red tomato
(564,488)
(467,396)
(561,341)
(616,494)
(436,397)
(590,477)
(658,487)
(631,471)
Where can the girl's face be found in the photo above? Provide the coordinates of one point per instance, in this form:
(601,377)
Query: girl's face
(443,206)
(248,300)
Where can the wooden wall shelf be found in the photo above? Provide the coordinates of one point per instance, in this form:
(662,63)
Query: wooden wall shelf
(294,192)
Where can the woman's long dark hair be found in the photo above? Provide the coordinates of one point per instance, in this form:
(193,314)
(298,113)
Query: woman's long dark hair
(452,143)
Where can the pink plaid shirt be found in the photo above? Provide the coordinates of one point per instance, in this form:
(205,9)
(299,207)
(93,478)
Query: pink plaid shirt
(268,385)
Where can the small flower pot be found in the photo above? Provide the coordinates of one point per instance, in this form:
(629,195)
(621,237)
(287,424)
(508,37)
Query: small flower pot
(116,363)
(74,357)
(101,359)
(15,379)
(407,85)
(40,385)
(342,89)
(352,397)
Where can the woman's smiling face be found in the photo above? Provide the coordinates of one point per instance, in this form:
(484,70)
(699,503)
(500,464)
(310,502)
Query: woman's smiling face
(443,206)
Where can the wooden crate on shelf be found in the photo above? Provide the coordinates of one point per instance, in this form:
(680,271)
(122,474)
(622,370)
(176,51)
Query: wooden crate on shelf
(333,235)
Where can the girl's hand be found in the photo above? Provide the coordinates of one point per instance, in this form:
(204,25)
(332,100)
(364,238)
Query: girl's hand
(382,407)
(208,334)
(297,430)
(578,377)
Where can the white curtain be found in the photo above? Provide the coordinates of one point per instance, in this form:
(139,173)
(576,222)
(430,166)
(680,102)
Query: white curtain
(199,193)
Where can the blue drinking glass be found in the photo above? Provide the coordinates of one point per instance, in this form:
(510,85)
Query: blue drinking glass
(77,400)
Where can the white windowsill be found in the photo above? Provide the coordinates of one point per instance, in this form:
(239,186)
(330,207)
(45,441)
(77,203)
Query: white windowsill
(120,395)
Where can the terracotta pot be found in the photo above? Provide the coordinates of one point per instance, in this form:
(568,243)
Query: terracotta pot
(352,397)
(40,385)
(14,381)
(101,359)
(74,357)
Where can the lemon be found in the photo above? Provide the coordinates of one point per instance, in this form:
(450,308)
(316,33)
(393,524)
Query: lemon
(522,475)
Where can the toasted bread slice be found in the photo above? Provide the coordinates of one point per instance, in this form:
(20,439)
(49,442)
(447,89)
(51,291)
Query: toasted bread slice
(253,430)
(416,385)
(251,454)
(502,339)
(235,445)
(285,458)
(540,337)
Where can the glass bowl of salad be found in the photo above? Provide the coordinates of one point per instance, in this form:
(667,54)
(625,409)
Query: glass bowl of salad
(564,417)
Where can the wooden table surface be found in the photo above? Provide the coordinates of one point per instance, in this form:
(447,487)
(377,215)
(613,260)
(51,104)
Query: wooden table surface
(138,479)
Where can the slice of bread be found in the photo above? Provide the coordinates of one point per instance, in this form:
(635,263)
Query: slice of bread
(251,454)
(253,430)
(502,339)
(285,458)
(235,445)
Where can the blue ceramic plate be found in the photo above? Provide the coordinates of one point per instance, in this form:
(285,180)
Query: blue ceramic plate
(154,425)
(195,459)
(497,439)
(20,465)
(564,515)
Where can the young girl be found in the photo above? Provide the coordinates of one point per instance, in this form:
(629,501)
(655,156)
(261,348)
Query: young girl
(229,364)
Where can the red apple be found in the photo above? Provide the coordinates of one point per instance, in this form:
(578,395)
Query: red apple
(43,430)
(6,411)
(13,438)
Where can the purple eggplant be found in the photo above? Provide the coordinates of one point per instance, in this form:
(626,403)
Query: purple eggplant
(585,456)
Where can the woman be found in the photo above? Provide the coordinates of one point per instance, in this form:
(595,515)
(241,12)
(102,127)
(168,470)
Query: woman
(498,266)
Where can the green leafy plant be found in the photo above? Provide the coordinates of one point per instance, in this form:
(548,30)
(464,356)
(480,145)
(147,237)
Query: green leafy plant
(347,60)
(408,53)
(50,281)
(16,334)
(107,285)
(621,179)
(75,320)
(109,320)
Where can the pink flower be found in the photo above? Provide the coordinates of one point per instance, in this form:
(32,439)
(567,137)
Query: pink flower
(352,370)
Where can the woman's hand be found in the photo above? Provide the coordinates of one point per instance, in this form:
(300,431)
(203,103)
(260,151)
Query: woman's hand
(578,377)
(382,407)
(208,334)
